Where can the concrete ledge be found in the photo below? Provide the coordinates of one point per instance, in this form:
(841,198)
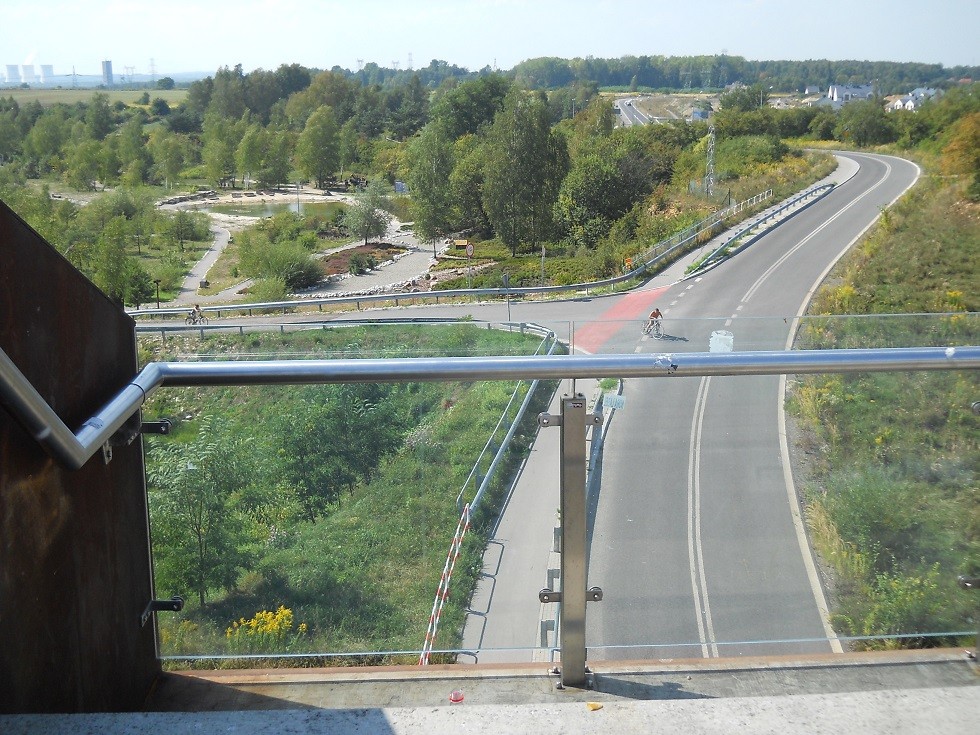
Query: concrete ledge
(920,692)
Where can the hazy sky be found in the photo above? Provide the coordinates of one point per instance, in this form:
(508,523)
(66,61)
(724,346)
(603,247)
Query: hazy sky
(202,35)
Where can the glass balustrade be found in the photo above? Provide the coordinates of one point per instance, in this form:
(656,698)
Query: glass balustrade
(728,515)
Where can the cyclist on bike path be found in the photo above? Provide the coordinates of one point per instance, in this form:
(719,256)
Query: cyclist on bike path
(655,316)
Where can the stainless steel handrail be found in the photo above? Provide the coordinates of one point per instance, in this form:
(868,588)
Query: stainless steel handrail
(73,449)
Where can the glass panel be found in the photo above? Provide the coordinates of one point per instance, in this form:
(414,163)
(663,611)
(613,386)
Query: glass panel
(315,522)
(322,521)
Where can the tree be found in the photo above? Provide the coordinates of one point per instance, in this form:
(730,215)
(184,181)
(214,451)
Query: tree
(466,186)
(228,93)
(160,108)
(276,162)
(525,164)
(133,154)
(167,152)
(605,184)
(98,117)
(165,83)
(220,142)
(139,288)
(111,267)
(44,140)
(472,105)
(413,111)
(318,147)
(317,464)
(369,217)
(199,532)
(430,166)
(864,123)
(348,144)
(83,164)
(250,152)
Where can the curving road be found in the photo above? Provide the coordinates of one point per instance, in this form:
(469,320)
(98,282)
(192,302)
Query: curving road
(695,540)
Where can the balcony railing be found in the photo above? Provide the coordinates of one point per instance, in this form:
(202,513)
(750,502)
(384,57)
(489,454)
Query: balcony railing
(652,477)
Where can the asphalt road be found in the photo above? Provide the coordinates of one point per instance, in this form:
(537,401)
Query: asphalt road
(694,541)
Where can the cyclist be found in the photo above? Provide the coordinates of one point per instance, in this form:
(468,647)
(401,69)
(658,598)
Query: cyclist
(196,314)
(655,319)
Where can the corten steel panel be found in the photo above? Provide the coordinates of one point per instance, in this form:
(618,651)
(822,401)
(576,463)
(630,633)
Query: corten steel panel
(74,545)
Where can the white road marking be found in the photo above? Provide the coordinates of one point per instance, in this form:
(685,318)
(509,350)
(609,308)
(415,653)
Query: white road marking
(699,584)
(771,269)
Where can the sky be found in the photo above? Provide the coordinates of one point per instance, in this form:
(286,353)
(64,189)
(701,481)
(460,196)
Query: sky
(174,36)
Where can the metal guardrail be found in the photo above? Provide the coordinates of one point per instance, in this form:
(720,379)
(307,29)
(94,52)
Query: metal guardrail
(284,327)
(721,252)
(659,251)
(505,443)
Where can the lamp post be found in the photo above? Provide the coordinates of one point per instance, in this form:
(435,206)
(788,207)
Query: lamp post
(761,90)
(157,282)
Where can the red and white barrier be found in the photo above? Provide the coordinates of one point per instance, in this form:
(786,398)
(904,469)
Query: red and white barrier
(442,593)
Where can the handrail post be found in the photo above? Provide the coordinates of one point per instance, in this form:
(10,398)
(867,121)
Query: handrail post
(573,540)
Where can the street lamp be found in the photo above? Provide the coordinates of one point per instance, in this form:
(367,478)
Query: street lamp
(761,90)
(157,282)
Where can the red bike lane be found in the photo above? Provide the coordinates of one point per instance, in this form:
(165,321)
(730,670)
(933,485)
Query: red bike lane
(634,306)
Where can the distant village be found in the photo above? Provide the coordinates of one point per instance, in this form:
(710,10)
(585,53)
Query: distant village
(839,95)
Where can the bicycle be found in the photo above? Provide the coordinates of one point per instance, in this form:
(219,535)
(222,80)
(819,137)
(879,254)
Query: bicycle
(193,319)
(654,328)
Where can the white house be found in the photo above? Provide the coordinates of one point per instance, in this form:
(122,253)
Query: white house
(914,99)
(850,93)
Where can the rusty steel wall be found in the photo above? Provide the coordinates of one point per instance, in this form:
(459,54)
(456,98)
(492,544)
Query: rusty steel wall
(75,570)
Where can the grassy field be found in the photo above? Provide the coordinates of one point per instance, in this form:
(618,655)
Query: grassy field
(892,459)
(69,96)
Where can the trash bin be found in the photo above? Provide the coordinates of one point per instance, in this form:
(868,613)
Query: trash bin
(204,283)
(721,341)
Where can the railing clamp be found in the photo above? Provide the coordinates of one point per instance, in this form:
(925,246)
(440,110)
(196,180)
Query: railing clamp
(174,604)
(546,420)
(593,594)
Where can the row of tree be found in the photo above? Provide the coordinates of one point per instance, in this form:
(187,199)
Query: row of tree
(718,71)
(484,155)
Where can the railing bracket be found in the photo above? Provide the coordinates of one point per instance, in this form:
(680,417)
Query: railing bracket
(174,604)
(546,419)
(593,594)
(156,427)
